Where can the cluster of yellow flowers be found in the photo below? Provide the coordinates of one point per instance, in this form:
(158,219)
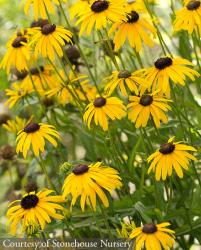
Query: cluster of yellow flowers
(148,90)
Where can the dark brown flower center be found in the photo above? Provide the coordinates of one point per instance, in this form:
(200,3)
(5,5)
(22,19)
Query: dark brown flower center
(132,17)
(163,63)
(39,23)
(149,228)
(17,43)
(80,169)
(7,152)
(124,74)
(193,5)
(31,127)
(99,6)
(167,148)
(21,33)
(20,74)
(31,186)
(29,201)
(146,100)
(100,102)
(4,118)
(36,71)
(48,29)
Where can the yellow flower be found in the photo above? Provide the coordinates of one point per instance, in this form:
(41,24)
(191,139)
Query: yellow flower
(170,155)
(67,91)
(98,13)
(35,134)
(87,182)
(166,69)
(49,40)
(17,93)
(17,55)
(146,105)
(14,126)
(101,108)
(78,7)
(153,236)
(37,208)
(39,78)
(135,28)
(189,17)
(40,7)
(123,79)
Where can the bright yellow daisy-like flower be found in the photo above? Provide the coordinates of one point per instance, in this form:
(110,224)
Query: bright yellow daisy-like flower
(14,126)
(35,208)
(102,108)
(170,155)
(40,7)
(151,236)
(142,107)
(98,13)
(135,28)
(88,182)
(78,7)
(16,93)
(124,79)
(17,55)
(34,135)
(189,17)
(67,89)
(166,69)
(49,40)
(40,78)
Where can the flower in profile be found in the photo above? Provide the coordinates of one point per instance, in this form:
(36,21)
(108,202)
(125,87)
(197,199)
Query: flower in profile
(166,69)
(189,17)
(125,80)
(153,236)
(170,155)
(135,28)
(67,89)
(17,55)
(34,135)
(41,7)
(142,107)
(15,125)
(49,40)
(98,13)
(35,209)
(103,108)
(16,93)
(88,182)
(39,78)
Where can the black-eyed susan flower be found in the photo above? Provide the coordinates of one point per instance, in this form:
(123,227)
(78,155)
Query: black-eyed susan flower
(166,69)
(49,40)
(34,135)
(40,79)
(152,236)
(171,155)
(103,108)
(124,80)
(67,89)
(17,55)
(15,125)
(78,7)
(98,13)
(142,107)
(35,208)
(88,182)
(135,28)
(40,8)
(16,93)
(189,17)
